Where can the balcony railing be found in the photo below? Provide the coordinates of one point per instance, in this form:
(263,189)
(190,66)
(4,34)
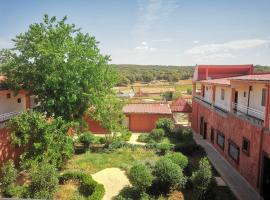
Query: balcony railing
(6,116)
(249,113)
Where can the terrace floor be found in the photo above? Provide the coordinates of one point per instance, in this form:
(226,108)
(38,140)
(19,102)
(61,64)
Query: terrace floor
(238,185)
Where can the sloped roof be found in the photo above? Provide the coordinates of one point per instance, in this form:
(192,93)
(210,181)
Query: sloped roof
(254,77)
(180,105)
(221,81)
(150,108)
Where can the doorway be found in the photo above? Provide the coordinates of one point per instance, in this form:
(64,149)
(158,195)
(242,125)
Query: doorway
(265,192)
(205,130)
(235,100)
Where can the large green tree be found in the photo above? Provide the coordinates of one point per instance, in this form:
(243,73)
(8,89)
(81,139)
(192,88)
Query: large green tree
(61,66)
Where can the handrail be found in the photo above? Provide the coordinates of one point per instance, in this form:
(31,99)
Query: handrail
(248,110)
(7,116)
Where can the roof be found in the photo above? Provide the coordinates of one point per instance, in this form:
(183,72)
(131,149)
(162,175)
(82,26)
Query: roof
(204,72)
(180,105)
(254,77)
(149,108)
(221,81)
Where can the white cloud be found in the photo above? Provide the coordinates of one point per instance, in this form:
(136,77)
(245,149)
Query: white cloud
(196,42)
(163,40)
(151,13)
(145,47)
(224,50)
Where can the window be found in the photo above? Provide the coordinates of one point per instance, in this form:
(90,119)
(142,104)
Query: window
(244,94)
(212,135)
(8,95)
(246,146)
(19,100)
(220,139)
(222,94)
(206,88)
(263,96)
(233,151)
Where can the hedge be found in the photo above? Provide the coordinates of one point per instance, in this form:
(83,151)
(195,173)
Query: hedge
(91,189)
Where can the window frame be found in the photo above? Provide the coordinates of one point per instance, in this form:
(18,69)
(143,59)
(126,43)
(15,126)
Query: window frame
(232,143)
(248,142)
(263,100)
(219,133)
(8,95)
(19,100)
(222,96)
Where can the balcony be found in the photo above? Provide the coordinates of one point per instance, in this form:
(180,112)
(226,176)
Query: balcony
(6,116)
(251,114)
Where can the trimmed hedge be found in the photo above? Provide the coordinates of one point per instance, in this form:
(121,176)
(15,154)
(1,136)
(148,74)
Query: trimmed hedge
(90,188)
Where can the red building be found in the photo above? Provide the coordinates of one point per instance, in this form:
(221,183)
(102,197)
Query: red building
(232,113)
(143,117)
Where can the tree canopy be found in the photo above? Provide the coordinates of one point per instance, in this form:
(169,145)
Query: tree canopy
(61,66)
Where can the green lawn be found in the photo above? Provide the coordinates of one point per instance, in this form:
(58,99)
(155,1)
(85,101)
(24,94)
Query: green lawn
(122,158)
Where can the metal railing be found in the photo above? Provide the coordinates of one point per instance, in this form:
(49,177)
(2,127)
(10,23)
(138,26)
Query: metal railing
(7,116)
(249,113)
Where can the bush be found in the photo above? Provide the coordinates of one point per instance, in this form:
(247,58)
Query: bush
(179,159)
(166,124)
(176,195)
(140,177)
(157,134)
(44,181)
(143,138)
(125,135)
(163,147)
(88,138)
(89,187)
(117,144)
(201,179)
(8,179)
(169,175)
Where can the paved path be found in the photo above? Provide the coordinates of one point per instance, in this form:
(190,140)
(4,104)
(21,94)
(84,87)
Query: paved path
(238,185)
(113,179)
(133,139)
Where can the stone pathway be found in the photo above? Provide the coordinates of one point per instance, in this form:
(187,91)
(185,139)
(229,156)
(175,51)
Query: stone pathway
(133,139)
(113,179)
(238,185)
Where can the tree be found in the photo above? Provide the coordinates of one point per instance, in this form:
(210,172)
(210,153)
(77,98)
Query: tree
(61,66)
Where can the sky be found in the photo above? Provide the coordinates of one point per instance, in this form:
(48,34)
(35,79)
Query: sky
(165,32)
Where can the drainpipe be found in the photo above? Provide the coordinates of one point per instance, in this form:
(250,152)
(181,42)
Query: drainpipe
(249,89)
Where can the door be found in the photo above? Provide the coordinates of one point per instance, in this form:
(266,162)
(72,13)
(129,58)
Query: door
(235,100)
(201,126)
(205,130)
(266,178)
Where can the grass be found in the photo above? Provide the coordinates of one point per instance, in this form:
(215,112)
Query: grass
(121,158)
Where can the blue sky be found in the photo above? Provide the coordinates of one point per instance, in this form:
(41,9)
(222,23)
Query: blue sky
(168,32)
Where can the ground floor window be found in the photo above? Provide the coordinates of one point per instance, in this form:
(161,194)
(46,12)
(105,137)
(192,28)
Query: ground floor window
(233,151)
(212,135)
(220,139)
(246,146)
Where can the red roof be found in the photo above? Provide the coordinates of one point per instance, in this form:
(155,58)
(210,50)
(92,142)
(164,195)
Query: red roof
(221,81)
(253,77)
(203,72)
(147,108)
(180,105)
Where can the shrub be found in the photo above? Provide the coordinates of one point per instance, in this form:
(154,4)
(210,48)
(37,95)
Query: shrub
(169,175)
(140,177)
(179,159)
(163,147)
(201,179)
(143,137)
(125,135)
(88,138)
(117,144)
(157,134)
(8,179)
(89,187)
(176,195)
(166,124)
(44,181)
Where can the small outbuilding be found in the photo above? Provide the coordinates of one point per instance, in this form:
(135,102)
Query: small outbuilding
(142,117)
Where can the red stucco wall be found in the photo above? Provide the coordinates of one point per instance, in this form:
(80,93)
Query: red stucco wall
(7,150)
(144,122)
(234,129)
(94,126)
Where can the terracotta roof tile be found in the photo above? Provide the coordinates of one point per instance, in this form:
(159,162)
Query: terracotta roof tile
(181,105)
(253,77)
(150,108)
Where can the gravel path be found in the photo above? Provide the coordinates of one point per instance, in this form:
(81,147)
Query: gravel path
(133,139)
(113,179)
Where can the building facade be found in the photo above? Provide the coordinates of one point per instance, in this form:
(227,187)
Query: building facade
(231,112)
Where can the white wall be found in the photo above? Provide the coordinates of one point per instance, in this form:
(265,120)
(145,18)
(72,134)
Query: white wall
(208,93)
(224,104)
(11,104)
(256,99)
